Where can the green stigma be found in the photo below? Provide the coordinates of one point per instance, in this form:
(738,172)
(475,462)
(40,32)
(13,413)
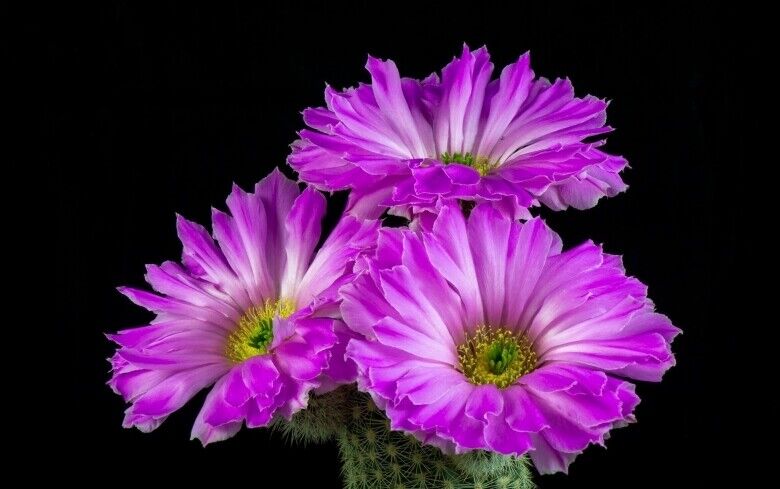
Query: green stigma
(479,163)
(255,330)
(496,356)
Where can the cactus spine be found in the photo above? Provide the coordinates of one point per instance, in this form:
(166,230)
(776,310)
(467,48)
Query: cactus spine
(375,457)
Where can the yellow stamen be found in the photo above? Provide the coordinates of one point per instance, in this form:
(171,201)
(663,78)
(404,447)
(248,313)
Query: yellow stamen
(480,163)
(496,356)
(255,330)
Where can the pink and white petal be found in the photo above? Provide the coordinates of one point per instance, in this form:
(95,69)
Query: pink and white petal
(305,356)
(154,334)
(437,293)
(448,250)
(462,94)
(235,392)
(514,86)
(216,409)
(502,438)
(563,377)
(389,96)
(293,397)
(583,191)
(277,195)
(265,383)
(283,328)
(389,248)
(133,383)
(446,417)
(363,305)
(293,359)
(320,118)
(303,226)
(248,232)
(370,201)
(536,172)
(549,117)
(260,376)
(259,415)
(443,413)
(525,261)
(323,168)
(548,460)
(171,360)
(317,333)
(521,412)
(372,354)
(175,308)
(341,370)
(649,321)
(554,292)
(432,180)
(200,249)
(174,391)
(626,392)
(408,296)
(642,357)
(576,418)
(362,122)
(484,401)
(426,384)
(416,340)
(350,238)
(417,96)
(382,382)
(231,243)
(172,280)
(600,316)
(145,424)
(494,188)
(509,206)
(489,237)
(201,341)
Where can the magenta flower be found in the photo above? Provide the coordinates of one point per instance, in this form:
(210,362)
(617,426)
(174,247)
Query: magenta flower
(516,141)
(256,313)
(482,334)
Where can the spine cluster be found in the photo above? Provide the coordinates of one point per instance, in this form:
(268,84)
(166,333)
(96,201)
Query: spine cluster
(375,457)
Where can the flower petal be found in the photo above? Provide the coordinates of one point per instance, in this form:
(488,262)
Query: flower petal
(303,226)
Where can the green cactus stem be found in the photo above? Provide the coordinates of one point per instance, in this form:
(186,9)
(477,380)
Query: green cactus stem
(375,457)
(324,417)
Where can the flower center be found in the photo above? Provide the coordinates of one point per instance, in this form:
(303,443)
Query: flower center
(479,163)
(255,330)
(496,356)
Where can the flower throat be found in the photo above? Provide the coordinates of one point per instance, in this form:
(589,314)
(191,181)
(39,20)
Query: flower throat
(255,330)
(479,163)
(496,356)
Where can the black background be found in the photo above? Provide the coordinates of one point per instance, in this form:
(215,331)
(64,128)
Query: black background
(157,110)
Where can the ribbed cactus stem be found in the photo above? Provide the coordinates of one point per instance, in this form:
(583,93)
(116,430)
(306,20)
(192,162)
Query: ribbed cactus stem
(325,416)
(375,457)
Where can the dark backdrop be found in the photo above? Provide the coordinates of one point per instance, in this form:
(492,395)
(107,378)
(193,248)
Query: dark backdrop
(157,110)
